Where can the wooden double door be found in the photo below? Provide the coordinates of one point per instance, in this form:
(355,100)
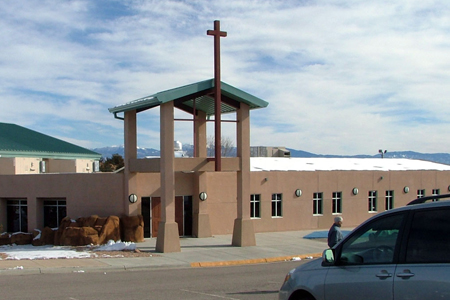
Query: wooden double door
(151,211)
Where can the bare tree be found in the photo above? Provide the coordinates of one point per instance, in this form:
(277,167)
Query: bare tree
(227,146)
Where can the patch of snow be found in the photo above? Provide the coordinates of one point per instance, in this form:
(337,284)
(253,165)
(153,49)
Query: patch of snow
(20,252)
(117,246)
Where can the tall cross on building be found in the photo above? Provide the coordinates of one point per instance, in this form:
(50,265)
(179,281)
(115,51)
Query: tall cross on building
(217,92)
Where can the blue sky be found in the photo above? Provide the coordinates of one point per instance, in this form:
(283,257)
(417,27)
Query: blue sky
(341,77)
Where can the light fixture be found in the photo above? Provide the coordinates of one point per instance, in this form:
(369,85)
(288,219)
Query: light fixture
(406,189)
(355,191)
(132,198)
(298,192)
(203,196)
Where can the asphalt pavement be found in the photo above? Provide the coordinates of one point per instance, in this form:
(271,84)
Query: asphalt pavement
(195,252)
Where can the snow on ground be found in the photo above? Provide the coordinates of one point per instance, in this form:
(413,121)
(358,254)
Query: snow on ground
(16,252)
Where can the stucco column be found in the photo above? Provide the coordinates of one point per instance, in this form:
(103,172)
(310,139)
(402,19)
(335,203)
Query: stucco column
(32,211)
(168,239)
(130,180)
(201,226)
(243,232)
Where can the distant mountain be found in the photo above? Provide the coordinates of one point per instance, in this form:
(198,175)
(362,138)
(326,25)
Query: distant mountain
(111,150)
(443,158)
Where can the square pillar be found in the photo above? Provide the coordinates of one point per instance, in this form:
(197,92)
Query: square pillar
(243,231)
(168,239)
(201,226)
(130,145)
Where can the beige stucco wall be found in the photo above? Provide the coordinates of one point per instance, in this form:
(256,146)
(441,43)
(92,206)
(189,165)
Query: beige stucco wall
(7,165)
(21,165)
(86,194)
(69,166)
(103,194)
(31,165)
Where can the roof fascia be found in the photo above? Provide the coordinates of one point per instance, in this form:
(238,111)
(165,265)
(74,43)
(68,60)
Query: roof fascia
(50,155)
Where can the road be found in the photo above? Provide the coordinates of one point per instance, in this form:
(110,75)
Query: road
(260,281)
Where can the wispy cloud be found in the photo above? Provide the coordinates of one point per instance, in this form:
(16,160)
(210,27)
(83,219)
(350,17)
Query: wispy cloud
(341,77)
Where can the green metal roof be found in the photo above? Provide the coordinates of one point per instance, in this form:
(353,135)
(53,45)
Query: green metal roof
(17,141)
(203,94)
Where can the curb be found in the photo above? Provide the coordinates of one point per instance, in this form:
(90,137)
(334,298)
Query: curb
(254,261)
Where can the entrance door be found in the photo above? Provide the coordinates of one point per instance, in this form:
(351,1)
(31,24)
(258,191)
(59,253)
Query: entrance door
(187,215)
(179,214)
(156,215)
(183,215)
(145,211)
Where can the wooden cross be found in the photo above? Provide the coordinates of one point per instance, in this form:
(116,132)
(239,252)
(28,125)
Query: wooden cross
(217,92)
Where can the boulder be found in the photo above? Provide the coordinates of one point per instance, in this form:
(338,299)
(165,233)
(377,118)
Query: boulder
(21,238)
(5,239)
(110,231)
(47,237)
(132,228)
(79,236)
(87,222)
(66,222)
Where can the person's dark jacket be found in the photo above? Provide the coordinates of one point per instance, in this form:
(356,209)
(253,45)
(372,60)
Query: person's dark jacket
(334,235)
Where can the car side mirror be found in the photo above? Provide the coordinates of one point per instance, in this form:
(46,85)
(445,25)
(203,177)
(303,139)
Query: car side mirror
(328,258)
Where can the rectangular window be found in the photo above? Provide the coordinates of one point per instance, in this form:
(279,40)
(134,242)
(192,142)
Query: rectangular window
(54,212)
(276,205)
(435,192)
(17,220)
(255,206)
(337,202)
(372,200)
(317,203)
(389,200)
(420,193)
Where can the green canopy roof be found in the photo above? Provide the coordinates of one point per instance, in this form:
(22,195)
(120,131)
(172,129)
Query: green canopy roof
(201,92)
(17,141)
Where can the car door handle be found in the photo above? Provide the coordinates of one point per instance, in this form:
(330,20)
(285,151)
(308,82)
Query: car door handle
(383,274)
(405,274)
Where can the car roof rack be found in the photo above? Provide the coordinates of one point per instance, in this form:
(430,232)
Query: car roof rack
(425,199)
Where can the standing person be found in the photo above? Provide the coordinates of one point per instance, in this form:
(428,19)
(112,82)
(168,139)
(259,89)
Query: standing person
(335,233)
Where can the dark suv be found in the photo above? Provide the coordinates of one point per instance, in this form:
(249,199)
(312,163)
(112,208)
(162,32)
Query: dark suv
(402,253)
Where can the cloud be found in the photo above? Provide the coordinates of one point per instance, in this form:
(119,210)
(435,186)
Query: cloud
(341,77)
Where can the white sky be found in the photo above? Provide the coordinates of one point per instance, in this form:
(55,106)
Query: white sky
(341,77)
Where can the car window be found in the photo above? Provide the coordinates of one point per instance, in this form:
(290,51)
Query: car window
(429,237)
(374,243)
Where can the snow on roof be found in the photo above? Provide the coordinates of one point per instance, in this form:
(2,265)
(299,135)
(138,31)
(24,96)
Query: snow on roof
(342,164)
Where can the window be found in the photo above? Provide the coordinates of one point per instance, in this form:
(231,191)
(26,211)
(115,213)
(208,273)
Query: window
(17,220)
(435,192)
(276,205)
(317,203)
(255,206)
(429,237)
(389,200)
(372,201)
(420,193)
(337,202)
(374,243)
(54,212)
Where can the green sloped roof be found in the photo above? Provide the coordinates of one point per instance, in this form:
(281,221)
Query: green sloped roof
(17,141)
(201,92)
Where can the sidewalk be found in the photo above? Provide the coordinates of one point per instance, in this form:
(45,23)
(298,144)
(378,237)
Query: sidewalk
(195,252)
